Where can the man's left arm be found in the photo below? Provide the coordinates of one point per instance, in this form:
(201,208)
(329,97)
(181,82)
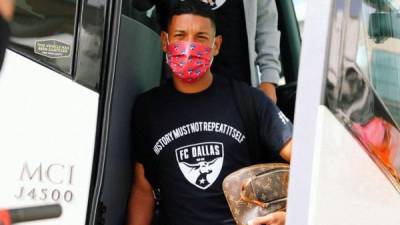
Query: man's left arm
(7,9)
(267,47)
(276,134)
(286,151)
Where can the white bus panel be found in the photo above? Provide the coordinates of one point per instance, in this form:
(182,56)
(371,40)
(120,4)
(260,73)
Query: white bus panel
(347,186)
(47,139)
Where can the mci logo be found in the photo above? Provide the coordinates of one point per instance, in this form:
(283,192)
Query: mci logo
(201,163)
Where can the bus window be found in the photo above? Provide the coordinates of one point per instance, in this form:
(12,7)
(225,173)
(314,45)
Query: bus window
(44,31)
(138,65)
(346,137)
(363,92)
(383,52)
(378,52)
(142,60)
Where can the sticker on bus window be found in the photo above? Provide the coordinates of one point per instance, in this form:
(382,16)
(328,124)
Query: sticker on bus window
(52,49)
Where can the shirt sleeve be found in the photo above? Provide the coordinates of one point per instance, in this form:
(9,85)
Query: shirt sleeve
(138,132)
(268,41)
(275,128)
(142,150)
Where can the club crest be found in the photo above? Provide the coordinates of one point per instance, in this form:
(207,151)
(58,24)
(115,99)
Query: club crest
(201,163)
(215,4)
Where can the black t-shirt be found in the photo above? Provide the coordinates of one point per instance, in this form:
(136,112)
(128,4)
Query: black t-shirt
(233,58)
(189,143)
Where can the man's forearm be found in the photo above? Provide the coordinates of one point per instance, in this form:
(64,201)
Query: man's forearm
(141,208)
(286,151)
(269,89)
(6,9)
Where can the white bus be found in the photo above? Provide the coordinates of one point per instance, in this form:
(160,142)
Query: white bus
(74,68)
(346,157)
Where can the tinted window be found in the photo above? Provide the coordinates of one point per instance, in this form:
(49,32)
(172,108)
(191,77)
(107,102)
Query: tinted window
(382,25)
(363,78)
(44,30)
(137,69)
(142,11)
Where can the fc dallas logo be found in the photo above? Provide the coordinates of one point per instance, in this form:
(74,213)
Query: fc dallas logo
(215,4)
(201,163)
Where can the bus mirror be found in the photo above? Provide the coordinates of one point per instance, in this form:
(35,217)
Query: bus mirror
(380,5)
(382,26)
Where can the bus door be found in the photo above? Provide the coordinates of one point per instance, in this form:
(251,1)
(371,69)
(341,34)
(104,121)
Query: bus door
(49,106)
(346,157)
(135,66)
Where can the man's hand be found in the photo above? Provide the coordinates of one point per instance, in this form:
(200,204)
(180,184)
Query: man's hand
(7,9)
(276,218)
(269,90)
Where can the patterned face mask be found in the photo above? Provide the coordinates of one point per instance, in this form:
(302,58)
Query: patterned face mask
(189,61)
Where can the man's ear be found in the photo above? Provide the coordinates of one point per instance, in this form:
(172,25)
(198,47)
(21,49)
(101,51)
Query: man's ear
(217,45)
(164,40)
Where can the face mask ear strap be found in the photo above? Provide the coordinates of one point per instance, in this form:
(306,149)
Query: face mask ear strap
(212,47)
(166,54)
(167,39)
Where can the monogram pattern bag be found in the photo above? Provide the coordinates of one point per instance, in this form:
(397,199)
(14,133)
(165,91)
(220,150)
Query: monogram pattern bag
(256,191)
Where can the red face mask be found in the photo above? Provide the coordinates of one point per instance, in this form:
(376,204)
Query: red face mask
(189,61)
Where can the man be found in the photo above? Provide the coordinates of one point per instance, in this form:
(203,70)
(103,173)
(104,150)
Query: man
(6,12)
(251,39)
(188,133)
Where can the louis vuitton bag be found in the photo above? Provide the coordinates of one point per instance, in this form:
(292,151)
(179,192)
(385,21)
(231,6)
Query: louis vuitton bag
(256,191)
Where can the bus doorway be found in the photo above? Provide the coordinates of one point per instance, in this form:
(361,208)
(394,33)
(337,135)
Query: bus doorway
(345,165)
(71,75)
(136,65)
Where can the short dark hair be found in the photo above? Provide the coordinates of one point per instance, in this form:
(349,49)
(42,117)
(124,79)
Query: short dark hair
(193,7)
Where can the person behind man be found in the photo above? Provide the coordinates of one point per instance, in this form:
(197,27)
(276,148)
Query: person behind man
(251,39)
(188,133)
(6,13)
